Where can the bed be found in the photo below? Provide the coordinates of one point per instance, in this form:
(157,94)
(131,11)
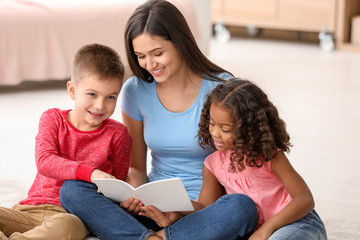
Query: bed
(39,37)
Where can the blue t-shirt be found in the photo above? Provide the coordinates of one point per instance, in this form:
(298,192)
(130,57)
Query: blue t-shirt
(170,136)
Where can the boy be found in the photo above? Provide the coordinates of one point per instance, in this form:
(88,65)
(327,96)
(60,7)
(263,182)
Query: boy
(78,144)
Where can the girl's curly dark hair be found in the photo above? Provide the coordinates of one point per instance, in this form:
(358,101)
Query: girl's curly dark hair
(258,133)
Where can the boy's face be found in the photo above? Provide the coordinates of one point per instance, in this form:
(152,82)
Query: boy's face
(94,101)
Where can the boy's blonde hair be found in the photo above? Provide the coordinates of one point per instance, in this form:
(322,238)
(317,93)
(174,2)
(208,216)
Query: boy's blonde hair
(99,60)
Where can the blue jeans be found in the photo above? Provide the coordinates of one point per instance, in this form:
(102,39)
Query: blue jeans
(309,227)
(102,216)
(230,217)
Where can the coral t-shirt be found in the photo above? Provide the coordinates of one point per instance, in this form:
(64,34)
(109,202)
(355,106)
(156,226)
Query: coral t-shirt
(63,152)
(260,184)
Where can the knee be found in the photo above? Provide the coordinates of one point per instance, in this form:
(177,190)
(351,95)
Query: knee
(69,221)
(71,190)
(68,226)
(247,204)
(74,193)
(68,186)
(66,190)
(243,204)
(242,200)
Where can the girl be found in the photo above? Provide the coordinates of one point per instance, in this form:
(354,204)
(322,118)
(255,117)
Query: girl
(244,127)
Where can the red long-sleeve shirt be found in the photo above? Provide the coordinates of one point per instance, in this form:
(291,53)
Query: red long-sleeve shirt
(63,152)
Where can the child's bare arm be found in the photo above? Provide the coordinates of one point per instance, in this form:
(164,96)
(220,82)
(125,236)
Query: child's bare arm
(301,204)
(211,189)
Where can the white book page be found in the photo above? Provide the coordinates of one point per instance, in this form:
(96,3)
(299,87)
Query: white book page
(166,195)
(115,189)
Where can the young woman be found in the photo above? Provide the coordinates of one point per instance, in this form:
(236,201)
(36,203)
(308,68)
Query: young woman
(162,102)
(161,107)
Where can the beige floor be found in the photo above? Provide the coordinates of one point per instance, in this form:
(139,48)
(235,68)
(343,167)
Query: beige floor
(317,94)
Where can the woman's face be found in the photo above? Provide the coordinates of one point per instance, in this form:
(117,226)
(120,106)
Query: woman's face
(158,56)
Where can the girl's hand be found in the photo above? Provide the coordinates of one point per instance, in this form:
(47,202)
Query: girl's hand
(96,173)
(132,206)
(163,219)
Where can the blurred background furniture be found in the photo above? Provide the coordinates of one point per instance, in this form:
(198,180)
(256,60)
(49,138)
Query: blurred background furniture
(331,17)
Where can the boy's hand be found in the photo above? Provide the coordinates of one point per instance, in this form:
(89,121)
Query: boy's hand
(132,205)
(99,174)
(163,219)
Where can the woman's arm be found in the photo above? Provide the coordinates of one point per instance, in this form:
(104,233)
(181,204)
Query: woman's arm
(301,204)
(137,172)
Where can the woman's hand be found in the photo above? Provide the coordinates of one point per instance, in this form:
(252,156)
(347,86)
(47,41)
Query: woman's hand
(132,206)
(163,219)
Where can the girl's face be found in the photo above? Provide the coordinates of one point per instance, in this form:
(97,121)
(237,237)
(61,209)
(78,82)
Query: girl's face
(158,56)
(221,127)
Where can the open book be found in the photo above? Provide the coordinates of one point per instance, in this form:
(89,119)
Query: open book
(166,195)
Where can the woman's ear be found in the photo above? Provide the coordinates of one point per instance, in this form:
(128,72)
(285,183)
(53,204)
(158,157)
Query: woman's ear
(71,89)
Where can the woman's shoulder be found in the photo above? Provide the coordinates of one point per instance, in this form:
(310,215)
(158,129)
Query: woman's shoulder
(136,85)
(224,75)
(214,82)
(134,80)
(220,75)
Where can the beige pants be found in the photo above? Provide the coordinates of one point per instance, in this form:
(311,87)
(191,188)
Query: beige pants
(42,222)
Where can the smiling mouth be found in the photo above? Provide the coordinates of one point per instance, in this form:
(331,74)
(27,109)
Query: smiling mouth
(96,115)
(218,143)
(158,71)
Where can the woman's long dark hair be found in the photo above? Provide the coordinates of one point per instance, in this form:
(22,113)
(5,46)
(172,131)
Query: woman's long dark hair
(258,133)
(161,18)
